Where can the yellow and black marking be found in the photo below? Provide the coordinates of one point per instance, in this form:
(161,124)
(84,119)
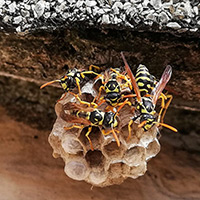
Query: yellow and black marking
(148,91)
(144,80)
(74,78)
(96,118)
(113,88)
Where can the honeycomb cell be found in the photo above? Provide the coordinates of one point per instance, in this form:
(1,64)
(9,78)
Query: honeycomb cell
(87,97)
(88,89)
(112,151)
(70,144)
(115,173)
(133,140)
(97,178)
(125,114)
(134,156)
(76,169)
(95,137)
(96,85)
(140,170)
(152,149)
(58,127)
(95,159)
(148,136)
(125,169)
(115,170)
(58,109)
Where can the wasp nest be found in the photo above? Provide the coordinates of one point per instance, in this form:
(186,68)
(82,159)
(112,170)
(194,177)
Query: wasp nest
(108,164)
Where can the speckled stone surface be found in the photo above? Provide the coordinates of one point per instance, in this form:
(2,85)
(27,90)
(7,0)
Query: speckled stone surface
(161,15)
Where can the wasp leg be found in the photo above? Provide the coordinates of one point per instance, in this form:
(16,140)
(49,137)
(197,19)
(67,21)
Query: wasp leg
(129,95)
(129,129)
(170,97)
(87,135)
(114,134)
(100,76)
(101,102)
(81,101)
(121,76)
(73,126)
(121,105)
(109,108)
(93,104)
(95,100)
(126,101)
(100,90)
(163,105)
(88,72)
(148,95)
(62,97)
(129,126)
(78,85)
(91,67)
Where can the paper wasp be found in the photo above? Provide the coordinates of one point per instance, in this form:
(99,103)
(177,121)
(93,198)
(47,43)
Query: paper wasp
(112,83)
(74,78)
(146,104)
(89,116)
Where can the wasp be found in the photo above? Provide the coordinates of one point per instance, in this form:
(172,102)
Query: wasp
(146,103)
(113,83)
(74,78)
(88,116)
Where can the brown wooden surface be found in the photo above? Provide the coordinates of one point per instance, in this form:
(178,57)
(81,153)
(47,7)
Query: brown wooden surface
(27,168)
(29,172)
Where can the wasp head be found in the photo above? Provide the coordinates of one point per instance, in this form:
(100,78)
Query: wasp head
(67,82)
(146,106)
(149,121)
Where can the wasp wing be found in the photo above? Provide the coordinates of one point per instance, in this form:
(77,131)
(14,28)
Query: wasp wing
(161,84)
(107,75)
(73,118)
(133,81)
(75,106)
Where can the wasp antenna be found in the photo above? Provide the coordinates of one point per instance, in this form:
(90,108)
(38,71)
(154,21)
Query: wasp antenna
(49,83)
(142,124)
(168,126)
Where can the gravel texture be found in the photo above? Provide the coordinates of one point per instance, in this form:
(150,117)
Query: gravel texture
(171,15)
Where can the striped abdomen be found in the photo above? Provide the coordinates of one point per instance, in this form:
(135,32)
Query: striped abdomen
(145,80)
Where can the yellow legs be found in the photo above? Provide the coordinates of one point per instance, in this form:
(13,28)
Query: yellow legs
(114,134)
(164,107)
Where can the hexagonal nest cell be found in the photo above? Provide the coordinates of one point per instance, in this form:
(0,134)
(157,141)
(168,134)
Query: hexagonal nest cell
(108,164)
